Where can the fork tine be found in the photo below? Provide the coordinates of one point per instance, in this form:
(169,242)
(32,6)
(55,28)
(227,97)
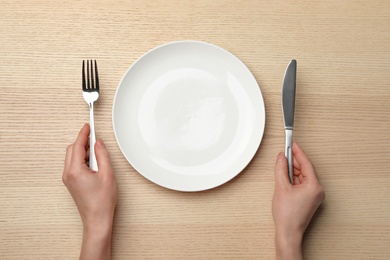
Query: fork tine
(92,74)
(96,76)
(83,80)
(88,78)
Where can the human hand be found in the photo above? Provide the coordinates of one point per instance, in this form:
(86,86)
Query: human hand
(294,205)
(95,194)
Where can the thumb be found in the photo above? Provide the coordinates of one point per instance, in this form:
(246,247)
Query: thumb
(281,171)
(103,158)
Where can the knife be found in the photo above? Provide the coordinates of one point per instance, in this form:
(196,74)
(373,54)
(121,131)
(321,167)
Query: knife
(288,104)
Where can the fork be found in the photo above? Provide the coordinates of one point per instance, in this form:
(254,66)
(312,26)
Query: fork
(91,95)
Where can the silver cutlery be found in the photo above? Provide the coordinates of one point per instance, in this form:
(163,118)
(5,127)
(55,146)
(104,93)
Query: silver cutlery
(91,95)
(288,105)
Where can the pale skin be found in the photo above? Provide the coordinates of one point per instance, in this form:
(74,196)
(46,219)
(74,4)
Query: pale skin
(294,205)
(96,196)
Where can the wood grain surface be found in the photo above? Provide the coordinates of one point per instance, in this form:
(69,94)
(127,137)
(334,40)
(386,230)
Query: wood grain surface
(342,122)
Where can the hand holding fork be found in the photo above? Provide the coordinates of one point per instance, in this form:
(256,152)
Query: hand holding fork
(91,95)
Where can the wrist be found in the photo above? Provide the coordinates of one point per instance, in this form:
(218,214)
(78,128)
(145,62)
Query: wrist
(288,245)
(98,230)
(96,242)
(98,224)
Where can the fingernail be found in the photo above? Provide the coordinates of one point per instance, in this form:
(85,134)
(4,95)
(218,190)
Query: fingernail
(280,157)
(100,143)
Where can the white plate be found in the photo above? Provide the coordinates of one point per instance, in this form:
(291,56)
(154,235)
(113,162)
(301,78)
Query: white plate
(188,116)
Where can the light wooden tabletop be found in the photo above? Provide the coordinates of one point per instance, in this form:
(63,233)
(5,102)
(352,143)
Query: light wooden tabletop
(342,122)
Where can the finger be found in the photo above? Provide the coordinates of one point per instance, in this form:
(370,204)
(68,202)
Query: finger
(68,157)
(79,146)
(281,171)
(67,163)
(307,168)
(300,177)
(296,180)
(103,160)
(297,167)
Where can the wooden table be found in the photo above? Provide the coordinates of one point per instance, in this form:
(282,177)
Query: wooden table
(342,121)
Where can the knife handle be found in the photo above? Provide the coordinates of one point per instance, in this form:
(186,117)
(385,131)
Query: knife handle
(288,153)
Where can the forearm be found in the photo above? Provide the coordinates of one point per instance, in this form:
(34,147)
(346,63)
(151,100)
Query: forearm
(96,245)
(288,246)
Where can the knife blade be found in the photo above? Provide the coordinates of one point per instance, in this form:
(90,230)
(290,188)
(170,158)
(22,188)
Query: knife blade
(288,106)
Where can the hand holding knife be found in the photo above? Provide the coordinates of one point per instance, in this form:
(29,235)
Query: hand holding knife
(288,104)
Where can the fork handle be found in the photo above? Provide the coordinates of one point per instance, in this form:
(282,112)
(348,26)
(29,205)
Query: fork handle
(92,140)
